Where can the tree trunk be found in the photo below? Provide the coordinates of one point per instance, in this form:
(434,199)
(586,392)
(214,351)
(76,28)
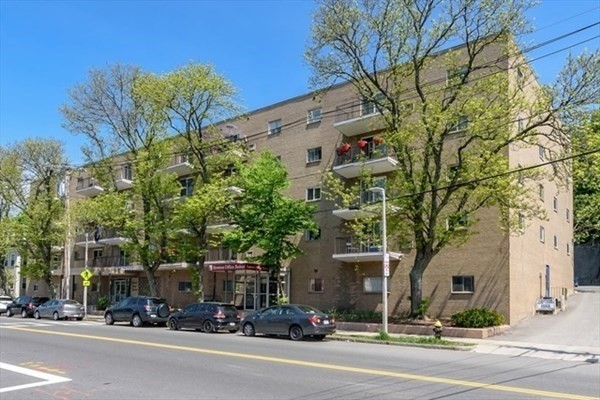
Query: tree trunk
(48,280)
(422,260)
(197,281)
(151,281)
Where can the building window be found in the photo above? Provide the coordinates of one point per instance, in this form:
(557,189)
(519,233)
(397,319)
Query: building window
(520,125)
(313,194)
(94,287)
(541,152)
(541,192)
(463,284)
(310,235)
(521,222)
(568,215)
(126,172)
(275,127)
(313,155)
(187,186)
(313,115)
(315,285)
(568,249)
(35,287)
(555,241)
(461,126)
(23,283)
(184,286)
(542,234)
(555,203)
(372,284)
(228,285)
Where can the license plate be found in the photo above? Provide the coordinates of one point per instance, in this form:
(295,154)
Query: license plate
(153,315)
(325,322)
(232,323)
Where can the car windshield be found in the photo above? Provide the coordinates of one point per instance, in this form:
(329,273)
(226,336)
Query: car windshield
(230,309)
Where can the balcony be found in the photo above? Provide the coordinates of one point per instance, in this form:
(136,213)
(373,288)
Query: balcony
(100,238)
(350,249)
(358,118)
(376,159)
(220,254)
(219,226)
(124,179)
(180,165)
(88,187)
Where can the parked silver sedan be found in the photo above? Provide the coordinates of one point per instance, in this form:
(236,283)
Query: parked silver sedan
(4,301)
(60,309)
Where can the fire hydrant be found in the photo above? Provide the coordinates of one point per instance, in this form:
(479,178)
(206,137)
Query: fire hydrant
(437,329)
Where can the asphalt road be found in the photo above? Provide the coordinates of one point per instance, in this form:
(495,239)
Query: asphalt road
(89,360)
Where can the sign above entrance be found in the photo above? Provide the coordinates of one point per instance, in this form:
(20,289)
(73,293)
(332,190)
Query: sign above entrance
(86,274)
(241,266)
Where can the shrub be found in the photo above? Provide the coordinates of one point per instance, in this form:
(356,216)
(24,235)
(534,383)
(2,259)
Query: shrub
(355,316)
(422,309)
(477,318)
(102,303)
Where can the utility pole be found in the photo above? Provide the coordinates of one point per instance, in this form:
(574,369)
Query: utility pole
(67,250)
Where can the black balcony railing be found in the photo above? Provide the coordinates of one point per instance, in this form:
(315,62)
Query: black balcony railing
(356,109)
(96,235)
(84,183)
(352,245)
(103,262)
(370,151)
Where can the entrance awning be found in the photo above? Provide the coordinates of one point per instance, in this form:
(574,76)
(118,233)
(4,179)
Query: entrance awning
(235,266)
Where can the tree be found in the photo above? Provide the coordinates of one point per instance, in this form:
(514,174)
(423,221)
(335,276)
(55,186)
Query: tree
(586,180)
(188,102)
(266,219)
(33,212)
(450,135)
(122,129)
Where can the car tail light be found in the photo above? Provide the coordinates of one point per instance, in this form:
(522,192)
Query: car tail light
(147,308)
(238,316)
(219,315)
(314,320)
(30,305)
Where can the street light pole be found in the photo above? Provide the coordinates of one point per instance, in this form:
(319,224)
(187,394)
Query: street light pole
(386,260)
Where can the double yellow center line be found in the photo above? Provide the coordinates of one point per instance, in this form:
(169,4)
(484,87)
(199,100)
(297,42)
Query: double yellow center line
(365,371)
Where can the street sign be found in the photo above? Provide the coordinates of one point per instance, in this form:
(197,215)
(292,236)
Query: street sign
(86,283)
(386,271)
(86,274)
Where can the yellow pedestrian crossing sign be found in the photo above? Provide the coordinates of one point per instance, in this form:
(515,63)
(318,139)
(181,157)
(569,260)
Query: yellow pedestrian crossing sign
(86,274)
(86,283)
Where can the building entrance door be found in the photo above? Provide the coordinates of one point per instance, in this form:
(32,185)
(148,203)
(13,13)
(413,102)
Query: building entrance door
(119,290)
(252,291)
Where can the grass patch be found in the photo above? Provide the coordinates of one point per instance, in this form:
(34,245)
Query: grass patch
(386,338)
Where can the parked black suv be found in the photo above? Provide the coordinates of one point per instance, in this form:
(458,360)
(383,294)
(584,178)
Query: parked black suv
(24,305)
(138,310)
(208,317)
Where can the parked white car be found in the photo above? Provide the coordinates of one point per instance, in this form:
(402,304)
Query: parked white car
(4,302)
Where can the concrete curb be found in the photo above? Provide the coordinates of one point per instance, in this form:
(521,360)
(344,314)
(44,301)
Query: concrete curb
(351,338)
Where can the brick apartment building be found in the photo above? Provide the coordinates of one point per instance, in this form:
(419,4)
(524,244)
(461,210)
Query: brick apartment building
(494,269)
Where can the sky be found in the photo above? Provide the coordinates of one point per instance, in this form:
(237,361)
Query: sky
(48,47)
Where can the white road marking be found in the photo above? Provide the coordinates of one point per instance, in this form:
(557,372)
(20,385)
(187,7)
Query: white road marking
(47,379)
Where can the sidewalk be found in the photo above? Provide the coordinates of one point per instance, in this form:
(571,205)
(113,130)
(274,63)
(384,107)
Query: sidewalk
(513,348)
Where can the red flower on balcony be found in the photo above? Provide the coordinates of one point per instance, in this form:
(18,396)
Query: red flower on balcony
(362,144)
(344,148)
(378,140)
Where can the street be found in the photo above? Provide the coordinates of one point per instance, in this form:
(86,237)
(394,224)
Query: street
(90,360)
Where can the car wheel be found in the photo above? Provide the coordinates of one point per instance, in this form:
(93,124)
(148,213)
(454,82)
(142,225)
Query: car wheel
(9,313)
(319,337)
(248,329)
(36,314)
(136,321)
(23,313)
(108,318)
(208,326)
(296,333)
(55,316)
(163,310)
(173,324)
(80,319)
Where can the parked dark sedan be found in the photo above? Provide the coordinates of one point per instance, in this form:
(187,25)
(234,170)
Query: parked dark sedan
(293,320)
(60,309)
(24,305)
(208,317)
